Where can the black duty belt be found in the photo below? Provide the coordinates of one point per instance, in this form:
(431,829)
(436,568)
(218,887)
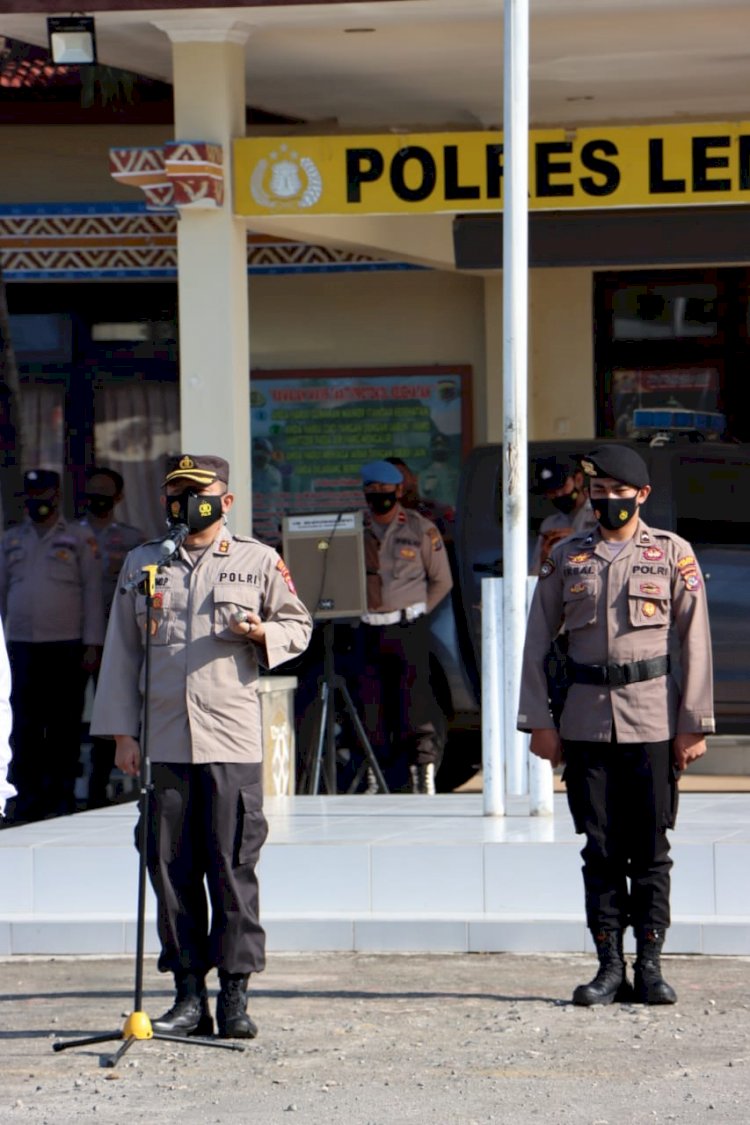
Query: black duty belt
(618,675)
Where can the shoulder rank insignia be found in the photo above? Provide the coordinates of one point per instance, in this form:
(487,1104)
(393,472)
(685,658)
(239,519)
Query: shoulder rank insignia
(283,569)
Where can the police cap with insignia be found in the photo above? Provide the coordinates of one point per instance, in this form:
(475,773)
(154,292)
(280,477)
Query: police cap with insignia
(201,469)
(40,480)
(619,462)
(550,473)
(380,472)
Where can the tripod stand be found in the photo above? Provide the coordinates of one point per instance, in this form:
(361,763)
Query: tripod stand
(325,726)
(138,1025)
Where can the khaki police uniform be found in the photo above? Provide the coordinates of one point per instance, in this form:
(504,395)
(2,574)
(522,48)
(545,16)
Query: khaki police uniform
(625,617)
(408,575)
(582,519)
(51,604)
(204,735)
(114,540)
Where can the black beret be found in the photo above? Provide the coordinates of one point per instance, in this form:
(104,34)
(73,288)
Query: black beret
(201,469)
(550,473)
(39,480)
(619,462)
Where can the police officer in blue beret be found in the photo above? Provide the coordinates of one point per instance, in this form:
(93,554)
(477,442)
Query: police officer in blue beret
(408,575)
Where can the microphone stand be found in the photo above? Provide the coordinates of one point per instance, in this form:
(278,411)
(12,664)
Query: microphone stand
(138,1025)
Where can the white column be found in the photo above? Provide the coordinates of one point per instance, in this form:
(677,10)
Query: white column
(493,732)
(208,59)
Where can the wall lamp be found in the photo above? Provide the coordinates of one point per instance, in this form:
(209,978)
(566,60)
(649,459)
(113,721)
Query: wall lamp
(72,40)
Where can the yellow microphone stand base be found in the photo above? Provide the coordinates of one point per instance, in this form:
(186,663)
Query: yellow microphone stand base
(138,1026)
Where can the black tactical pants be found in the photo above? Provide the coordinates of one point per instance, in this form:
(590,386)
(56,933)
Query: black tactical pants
(207,823)
(624,798)
(397,698)
(47,702)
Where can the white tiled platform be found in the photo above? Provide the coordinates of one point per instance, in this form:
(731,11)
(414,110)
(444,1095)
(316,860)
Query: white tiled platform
(381,873)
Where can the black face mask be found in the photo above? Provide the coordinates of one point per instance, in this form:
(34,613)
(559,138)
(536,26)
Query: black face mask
(99,504)
(614,512)
(40,510)
(566,503)
(380,503)
(197,511)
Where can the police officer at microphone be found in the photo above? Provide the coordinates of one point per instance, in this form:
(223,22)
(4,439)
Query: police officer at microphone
(225,607)
(627,595)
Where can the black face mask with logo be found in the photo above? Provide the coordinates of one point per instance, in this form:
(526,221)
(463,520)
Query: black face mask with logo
(613,512)
(40,510)
(196,510)
(380,503)
(99,504)
(566,504)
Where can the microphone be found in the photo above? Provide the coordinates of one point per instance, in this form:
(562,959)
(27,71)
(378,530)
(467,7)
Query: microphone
(171,543)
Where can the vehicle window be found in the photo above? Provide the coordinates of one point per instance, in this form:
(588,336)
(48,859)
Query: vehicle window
(712,498)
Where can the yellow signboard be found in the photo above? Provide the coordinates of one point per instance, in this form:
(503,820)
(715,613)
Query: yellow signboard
(428,173)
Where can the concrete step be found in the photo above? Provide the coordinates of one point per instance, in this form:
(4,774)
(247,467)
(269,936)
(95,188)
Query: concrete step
(381,873)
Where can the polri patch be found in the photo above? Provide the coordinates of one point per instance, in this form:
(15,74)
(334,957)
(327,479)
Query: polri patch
(547,568)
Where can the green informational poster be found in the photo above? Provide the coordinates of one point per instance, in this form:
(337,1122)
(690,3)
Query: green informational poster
(313,430)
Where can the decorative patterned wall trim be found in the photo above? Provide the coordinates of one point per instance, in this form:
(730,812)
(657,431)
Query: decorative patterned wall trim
(195,170)
(88,242)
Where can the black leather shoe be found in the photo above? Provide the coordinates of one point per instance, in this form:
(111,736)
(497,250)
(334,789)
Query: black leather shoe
(610,983)
(189,1015)
(231,1008)
(650,986)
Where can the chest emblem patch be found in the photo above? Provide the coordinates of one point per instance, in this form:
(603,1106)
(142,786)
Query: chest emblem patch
(578,588)
(582,557)
(649,609)
(653,554)
(407,553)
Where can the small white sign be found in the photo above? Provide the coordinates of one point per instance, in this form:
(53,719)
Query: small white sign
(325,521)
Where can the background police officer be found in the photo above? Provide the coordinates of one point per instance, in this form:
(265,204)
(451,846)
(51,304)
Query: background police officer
(408,575)
(51,604)
(624,593)
(224,607)
(104,491)
(563,484)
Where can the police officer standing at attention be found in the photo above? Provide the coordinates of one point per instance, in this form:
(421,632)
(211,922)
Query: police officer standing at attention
(622,593)
(563,484)
(104,491)
(51,604)
(408,575)
(224,607)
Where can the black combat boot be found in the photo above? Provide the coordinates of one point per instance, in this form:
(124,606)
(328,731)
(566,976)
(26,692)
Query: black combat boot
(231,1007)
(610,983)
(650,986)
(189,1015)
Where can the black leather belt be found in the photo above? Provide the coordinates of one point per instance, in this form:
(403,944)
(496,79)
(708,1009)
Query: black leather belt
(618,675)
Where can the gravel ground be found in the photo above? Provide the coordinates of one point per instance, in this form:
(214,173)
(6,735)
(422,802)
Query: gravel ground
(384,1040)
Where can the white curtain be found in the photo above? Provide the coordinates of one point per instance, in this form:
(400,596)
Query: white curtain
(43,410)
(136,426)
